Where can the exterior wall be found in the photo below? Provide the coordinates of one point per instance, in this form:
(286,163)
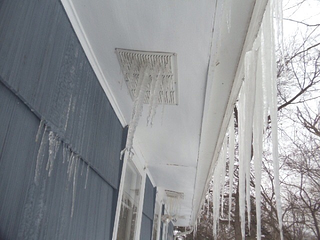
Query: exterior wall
(148,210)
(44,74)
(170,231)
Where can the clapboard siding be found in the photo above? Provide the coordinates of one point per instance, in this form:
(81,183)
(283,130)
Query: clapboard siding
(42,61)
(45,75)
(148,210)
(43,211)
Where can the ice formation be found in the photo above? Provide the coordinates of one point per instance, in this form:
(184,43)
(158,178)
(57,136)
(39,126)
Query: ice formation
(54,144)
(49,145)
(41,154)
(257,105)
(231,163)
(150,77)
(217,187)
(74,185)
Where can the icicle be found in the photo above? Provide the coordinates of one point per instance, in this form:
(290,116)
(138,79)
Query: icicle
(40,156)
(71,165)
(223,172)
(231,163)
(74,186)
(246,108)
(68,113)
(39,129)
(258,128)
(242,168)
(219,174)
(87,174)
(138,107)
(271,92)
(54,144)
(154,102)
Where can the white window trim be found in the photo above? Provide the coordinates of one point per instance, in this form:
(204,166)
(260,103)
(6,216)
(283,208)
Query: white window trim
(142,172)
(158,201)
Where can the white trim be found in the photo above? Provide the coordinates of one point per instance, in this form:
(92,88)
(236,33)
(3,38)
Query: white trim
(85,43)
(120,193)
(140,208)
(252,32)
(142,172)
(159,202)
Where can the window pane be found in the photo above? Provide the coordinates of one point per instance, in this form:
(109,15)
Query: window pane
(129,204)
(156,220)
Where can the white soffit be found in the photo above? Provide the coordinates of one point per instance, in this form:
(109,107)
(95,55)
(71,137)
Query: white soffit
(170,148)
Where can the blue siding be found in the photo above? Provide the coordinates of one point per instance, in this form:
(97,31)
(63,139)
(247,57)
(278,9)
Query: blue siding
(148,210)
(42,61)
(44,74)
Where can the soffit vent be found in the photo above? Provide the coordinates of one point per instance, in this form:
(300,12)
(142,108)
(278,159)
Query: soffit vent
(161,66)
(175,195)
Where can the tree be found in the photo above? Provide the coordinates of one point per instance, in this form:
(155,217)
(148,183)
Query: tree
(298,93)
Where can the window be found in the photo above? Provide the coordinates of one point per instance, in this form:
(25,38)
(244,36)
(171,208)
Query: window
(128,217)
(156,222)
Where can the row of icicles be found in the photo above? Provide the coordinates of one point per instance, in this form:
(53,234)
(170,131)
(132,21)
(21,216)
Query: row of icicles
(150,78)
(69,156)
(257,109)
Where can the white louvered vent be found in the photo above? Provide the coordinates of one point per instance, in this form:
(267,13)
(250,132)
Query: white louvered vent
(161,66)
(173,194)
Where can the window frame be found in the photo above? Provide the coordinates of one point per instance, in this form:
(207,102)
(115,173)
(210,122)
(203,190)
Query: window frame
(142,171)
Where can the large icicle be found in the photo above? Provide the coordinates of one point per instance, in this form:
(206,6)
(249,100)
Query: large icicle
(138,107)
(246,108)
(269,77)
(242,169)
(258,128)
(223,173)
(231,163)
(219,174)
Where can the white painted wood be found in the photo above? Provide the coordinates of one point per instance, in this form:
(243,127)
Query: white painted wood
(85,43)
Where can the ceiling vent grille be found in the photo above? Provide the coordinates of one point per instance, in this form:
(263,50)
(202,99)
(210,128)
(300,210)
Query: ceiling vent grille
(161,66)
(173,194)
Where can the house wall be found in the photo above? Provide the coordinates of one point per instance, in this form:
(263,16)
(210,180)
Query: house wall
(45,75)
(148,210)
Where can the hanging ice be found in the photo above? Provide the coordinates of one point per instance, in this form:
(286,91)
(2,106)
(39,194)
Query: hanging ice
(74,185)
(231,163)
(269,69)
(54,144)
(39,129)
(257,104)
(138,107)
(40,156)
(218,182)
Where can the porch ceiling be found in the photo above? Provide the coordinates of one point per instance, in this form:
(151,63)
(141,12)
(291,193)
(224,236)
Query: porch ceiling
(208,38)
